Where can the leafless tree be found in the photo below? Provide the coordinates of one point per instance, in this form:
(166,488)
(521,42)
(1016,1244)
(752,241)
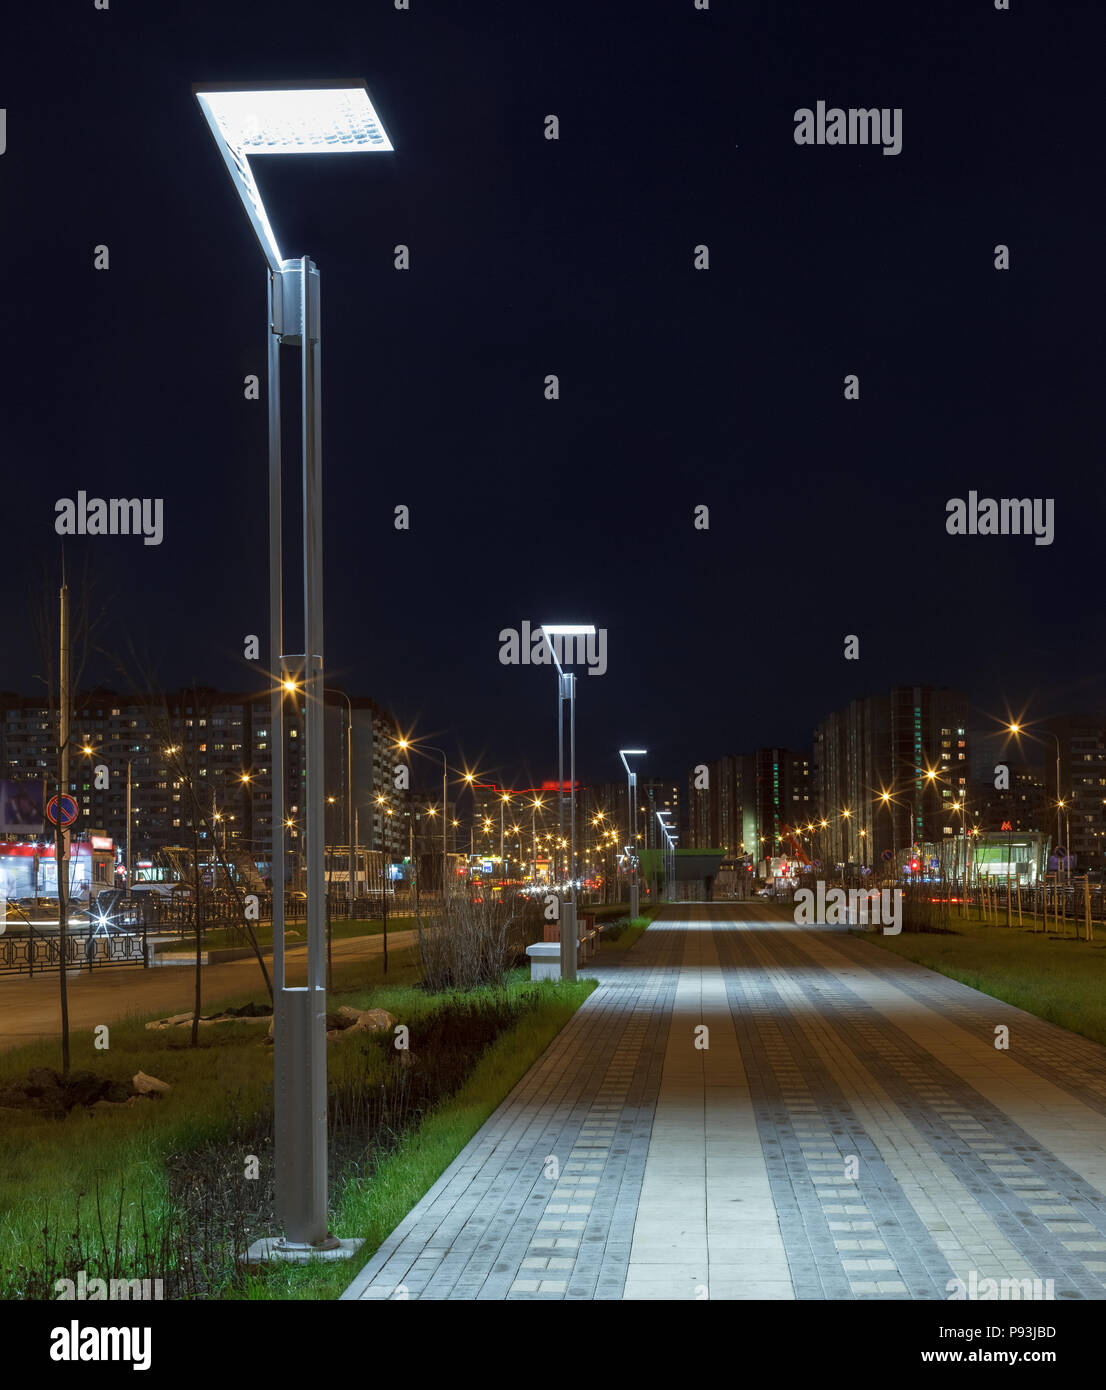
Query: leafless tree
(82,628)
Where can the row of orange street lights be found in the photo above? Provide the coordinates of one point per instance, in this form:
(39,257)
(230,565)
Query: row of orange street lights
(959,807)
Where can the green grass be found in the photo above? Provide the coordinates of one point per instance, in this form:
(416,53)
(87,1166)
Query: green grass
(629,934)
(47,1162)
(1056,977)
(372,1207)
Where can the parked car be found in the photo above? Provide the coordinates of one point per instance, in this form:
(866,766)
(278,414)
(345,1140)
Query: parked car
(167,892)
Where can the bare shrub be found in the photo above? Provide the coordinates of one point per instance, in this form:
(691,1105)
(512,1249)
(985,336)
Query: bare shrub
(472,942)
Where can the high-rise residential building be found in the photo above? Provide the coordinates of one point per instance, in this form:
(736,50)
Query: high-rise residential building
(1081,821)
(783,797)
(220,764)
(656,794)
(721,805)
(1006,787)
(853,759)
(897,764)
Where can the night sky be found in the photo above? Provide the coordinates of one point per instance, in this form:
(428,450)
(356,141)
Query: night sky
(677,388)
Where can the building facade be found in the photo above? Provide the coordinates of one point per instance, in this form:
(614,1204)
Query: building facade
(891,771)
(722,805)
(200,757)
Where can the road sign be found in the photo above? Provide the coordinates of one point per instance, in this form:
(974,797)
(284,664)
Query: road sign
(887,856)
(68,813)
(934,863)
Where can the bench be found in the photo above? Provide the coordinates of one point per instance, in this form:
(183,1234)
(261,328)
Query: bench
(545,960)
(545,956)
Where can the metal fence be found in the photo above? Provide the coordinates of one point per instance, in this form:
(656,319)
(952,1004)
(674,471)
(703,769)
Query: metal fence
(177,915)
(91,947)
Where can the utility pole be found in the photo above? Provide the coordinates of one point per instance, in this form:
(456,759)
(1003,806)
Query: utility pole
(128,879)
(445,827)
(61,848)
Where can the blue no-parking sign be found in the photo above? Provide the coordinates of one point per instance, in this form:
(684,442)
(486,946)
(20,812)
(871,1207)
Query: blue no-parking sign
(68,812)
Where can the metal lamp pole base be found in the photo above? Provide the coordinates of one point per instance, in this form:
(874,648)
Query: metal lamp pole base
(274,1249)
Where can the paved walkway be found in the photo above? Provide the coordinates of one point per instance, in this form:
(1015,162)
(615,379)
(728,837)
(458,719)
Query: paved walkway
(844,1128)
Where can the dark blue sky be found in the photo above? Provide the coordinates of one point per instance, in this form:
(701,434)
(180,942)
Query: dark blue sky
(575,257)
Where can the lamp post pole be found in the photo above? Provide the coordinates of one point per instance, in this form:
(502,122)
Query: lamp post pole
(1059,805)
(306,118)
(428,748)
(631,823)
(445,822)
(333,690)
(566,690)
(129,879)
(1017,729)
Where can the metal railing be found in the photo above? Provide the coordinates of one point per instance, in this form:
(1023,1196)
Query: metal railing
(36,950)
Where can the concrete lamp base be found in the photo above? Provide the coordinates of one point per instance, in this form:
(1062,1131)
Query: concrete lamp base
(272,1248)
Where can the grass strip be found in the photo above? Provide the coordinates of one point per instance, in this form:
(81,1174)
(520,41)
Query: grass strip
(1052,976)
(371,1207)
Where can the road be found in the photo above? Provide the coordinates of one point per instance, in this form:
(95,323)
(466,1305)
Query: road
(849,1131)
(29,1007)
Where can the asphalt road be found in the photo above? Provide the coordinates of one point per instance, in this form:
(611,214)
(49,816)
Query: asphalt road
(29,1007)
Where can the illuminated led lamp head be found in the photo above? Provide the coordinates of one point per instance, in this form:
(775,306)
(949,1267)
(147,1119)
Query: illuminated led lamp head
(305,117)
(551,631)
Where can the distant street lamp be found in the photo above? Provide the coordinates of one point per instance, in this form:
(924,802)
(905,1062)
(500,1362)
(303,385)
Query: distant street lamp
(1019,729)
(631,824)
(504,802)
(247,120)
(566,690)
(669,856)
(535,806)
(333,690)
(426,747)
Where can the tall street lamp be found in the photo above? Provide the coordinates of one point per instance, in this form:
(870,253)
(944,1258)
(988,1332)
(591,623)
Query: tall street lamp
(426,747)
(504,802)
(535,806)
(566,690)
(631,823)
(669,859)
(333,690)
(245,120)
(1017,730)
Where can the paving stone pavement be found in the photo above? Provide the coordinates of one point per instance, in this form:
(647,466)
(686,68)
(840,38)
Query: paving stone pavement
(748,1109)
